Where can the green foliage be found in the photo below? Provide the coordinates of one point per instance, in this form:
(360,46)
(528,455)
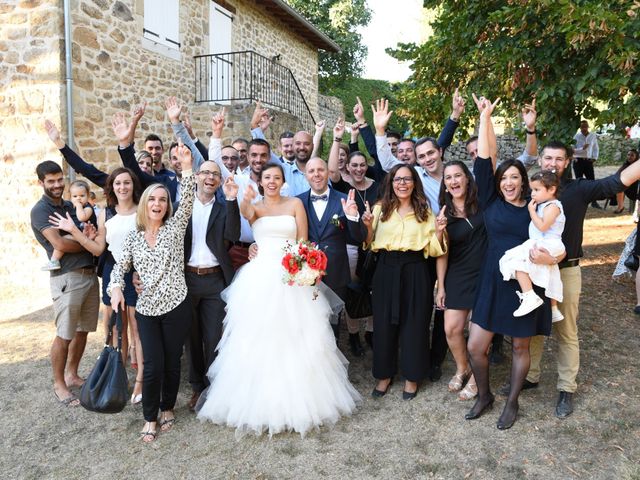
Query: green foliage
(368,91)
(339,19)
(578,58)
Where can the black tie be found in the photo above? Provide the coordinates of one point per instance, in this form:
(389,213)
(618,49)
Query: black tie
(319,197)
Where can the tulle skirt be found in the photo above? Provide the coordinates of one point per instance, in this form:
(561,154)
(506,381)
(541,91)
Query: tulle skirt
(278,367)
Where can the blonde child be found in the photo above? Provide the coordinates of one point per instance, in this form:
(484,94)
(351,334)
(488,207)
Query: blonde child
(79,191)
(545,231)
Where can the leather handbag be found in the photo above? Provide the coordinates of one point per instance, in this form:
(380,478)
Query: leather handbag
(106,388)
(632,262)
(358,302)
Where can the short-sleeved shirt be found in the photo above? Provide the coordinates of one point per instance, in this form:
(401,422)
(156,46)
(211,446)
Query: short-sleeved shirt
(40,213)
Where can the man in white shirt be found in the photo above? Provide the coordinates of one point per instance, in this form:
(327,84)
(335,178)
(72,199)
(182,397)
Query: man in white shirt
(213,227)
(585,154)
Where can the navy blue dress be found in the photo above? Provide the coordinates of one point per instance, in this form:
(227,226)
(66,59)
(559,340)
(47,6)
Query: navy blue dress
(507,226)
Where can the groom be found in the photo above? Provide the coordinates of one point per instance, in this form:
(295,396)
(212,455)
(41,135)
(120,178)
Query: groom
(333,221)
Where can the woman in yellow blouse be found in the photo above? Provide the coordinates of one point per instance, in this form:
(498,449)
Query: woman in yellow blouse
(404,231)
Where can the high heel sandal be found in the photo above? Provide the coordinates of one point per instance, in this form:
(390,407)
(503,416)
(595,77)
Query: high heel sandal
(457,381)
(469,391)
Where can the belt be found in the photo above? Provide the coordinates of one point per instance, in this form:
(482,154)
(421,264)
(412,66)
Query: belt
(574,262)
(91,269)
(203,270)
(241,244)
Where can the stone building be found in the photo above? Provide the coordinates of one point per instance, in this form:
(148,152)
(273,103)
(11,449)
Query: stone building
(122,53)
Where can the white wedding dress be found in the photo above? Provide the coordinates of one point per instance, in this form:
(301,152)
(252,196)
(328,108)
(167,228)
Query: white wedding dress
(278,367)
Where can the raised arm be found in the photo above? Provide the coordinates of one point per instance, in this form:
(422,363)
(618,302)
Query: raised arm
(317,138)
(186,120)
(174,109)
(486,134)
(381,116)
(232,222)
(73,159)
(457,109)
(334,153)
(247,209)
(183,214)
(215,144)
(529,116)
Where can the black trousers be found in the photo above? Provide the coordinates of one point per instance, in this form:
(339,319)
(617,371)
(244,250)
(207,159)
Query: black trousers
(439,345)
(162,338)
(583,167)
(401,313)
(206,325)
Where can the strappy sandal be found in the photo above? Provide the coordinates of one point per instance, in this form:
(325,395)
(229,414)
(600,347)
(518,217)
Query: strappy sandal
(457,381)
(469,391)
(149,433)
(166,424)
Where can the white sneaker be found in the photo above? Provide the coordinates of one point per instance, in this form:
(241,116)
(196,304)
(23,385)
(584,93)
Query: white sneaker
(51,265)
(529,302)
(556,315)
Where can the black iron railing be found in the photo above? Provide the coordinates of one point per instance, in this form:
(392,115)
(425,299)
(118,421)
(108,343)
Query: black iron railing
(247,75)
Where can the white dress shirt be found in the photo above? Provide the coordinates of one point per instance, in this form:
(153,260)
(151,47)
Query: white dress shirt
(592,151)
(320,205)
(201,256)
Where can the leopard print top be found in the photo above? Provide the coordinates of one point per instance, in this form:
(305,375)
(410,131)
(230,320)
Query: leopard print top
(161,268)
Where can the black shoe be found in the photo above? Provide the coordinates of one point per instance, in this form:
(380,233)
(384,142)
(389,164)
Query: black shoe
(409,395)
(473,413)
(355,345)
(636,309)
(368,338)
(505,389)
(380,393)
(596,205)
(507,423)
(496,357)
(564,407)
(436,373)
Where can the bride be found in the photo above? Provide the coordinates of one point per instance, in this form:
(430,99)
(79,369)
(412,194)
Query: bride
(278,367)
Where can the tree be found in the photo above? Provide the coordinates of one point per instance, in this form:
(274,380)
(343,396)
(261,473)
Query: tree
(578,58)
(339,19)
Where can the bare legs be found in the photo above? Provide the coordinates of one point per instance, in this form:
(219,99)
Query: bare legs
(454,321)
(135,340)
(65,359)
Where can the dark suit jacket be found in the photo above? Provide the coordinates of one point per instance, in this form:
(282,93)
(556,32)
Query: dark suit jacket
(128,157)
(333,239)
(223,229)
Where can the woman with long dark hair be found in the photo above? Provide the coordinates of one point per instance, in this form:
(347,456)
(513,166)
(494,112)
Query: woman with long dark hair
(404,231)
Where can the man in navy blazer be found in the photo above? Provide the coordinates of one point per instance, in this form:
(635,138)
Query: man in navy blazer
(333,222)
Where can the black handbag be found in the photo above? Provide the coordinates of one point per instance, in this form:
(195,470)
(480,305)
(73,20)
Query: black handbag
(632,262)
(358,303)
(106,388)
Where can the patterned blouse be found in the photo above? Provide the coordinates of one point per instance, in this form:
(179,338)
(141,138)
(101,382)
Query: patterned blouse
(161,268)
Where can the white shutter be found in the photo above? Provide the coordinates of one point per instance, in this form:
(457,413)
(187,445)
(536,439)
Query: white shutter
(171,15)
(162,22)
(153,24)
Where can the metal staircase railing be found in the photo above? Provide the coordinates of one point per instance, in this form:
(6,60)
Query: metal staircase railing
(247,75)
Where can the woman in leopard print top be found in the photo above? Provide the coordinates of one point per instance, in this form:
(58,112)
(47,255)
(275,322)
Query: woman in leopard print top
(156,251)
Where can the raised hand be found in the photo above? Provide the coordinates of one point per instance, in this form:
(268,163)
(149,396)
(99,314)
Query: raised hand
(186,121)
(230,188)
(320,126)
(258,114)
(358,111)
(138,112)
(441,220)
(249,194)
(174,109)
(184,155)
(349,206)
(532,205)
(338,129)
(529,115)
(120,128)
(59,222)
(54,133)
(381,116)
(217,123)
(488,107)
(457,105)
(479,102)
(367,216)
(265,121)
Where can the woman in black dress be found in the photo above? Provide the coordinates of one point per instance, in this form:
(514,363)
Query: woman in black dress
(459,269)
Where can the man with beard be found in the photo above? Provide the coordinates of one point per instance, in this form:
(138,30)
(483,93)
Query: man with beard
(74,287)
(287,154)
(214,226)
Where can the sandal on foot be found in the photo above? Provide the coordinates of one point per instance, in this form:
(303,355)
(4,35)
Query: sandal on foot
(70,401)
(468,392)
(149,433)
(456,382)
(166,424)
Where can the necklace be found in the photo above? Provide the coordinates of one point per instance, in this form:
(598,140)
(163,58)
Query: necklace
(363,197)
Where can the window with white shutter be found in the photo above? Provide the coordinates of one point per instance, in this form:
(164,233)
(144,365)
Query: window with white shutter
(162,22)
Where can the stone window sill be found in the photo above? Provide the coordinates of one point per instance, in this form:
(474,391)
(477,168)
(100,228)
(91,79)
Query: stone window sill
(161,49)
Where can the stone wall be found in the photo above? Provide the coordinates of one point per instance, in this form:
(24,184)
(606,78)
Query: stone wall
(31,86)
(509,146)
(329,109)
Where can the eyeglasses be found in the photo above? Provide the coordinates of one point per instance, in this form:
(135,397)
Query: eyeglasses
(207,173)
(226,157)
(405,180)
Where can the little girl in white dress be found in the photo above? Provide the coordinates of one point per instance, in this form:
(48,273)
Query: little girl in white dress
(545,231)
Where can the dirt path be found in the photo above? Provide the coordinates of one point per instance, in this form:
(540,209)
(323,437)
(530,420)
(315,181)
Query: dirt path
(387,438)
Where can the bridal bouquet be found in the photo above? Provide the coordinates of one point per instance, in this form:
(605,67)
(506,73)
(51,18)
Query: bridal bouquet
(304,263)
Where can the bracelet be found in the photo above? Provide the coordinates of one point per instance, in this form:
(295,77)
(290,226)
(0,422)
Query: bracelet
(531,132)
(337,139)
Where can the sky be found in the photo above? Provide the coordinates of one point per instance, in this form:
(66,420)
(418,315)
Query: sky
(392,22)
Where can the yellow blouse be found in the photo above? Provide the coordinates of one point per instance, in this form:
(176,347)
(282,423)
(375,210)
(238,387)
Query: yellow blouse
(404,234)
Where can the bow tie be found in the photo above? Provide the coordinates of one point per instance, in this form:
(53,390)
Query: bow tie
(319,197)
